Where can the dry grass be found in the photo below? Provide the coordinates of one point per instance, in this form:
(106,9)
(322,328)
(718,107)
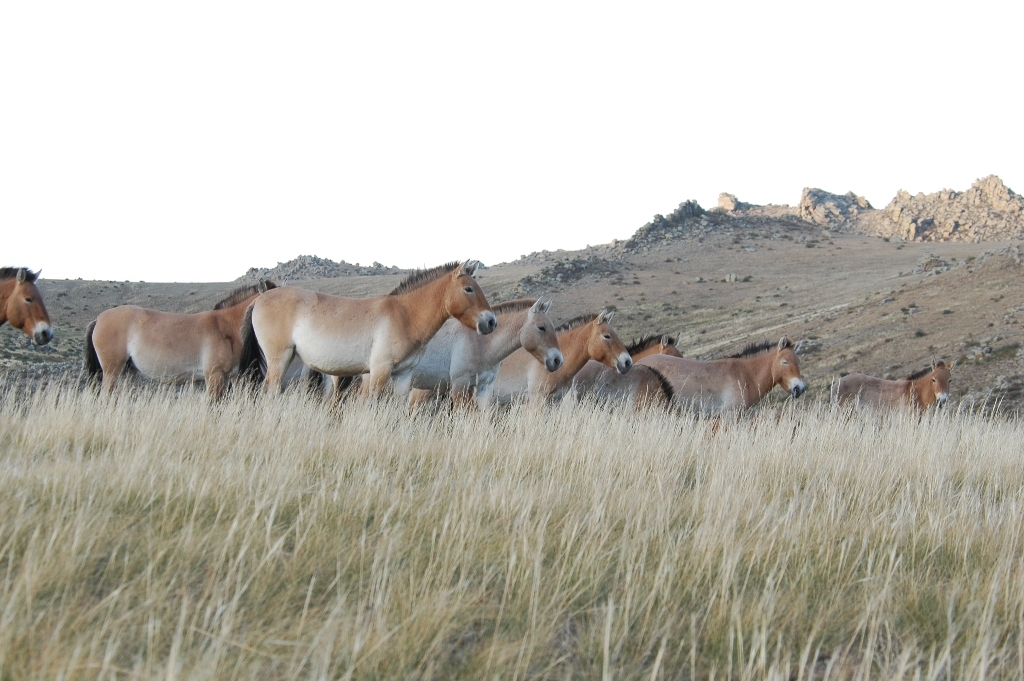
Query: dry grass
(154,535)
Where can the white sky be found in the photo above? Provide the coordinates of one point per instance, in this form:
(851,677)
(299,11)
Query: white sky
(188,141)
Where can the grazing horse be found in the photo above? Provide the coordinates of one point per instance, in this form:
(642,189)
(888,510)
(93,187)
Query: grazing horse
(581,339)
(169,347)
(920,390)
(642,386)
(384,336)
(21,304)
(466,363)
(737,382)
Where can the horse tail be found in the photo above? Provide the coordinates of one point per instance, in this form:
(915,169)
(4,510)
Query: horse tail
(252,366)
(92,360)
(666,386)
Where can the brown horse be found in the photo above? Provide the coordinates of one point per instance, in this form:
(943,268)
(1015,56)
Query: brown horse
(737,382)
(920,390)
(641,387)
(21,304)
(169,347)
(581,339)
(383,336)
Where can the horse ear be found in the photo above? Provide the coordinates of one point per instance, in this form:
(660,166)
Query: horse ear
(666,341)
(784,343)
(468,268)
(537,305)
(547,306)
(679,339)
(22,275)
(953,364)
(606,316)
(262,286)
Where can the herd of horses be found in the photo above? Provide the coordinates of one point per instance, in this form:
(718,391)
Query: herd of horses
(434,337)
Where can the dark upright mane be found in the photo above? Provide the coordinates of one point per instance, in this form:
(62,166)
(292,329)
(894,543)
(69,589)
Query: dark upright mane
(423,277)
(919,374)
(644,342)
(513,306)
(241,293)
(12,272)
(576,322)
(754,349)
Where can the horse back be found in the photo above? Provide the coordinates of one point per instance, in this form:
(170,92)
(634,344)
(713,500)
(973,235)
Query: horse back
(871,391)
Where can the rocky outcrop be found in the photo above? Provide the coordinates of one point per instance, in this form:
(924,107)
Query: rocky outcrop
(988,211)
(833,211)
(666,226)
(313,267)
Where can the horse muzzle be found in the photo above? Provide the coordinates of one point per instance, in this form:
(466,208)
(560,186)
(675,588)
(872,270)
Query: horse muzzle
(797,387)
(553,360)
(624,363)
(941,399)
(486,323)
(42,334)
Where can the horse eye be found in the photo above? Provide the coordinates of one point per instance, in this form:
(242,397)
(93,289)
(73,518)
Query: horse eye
(607,336)
(785,361)
(542,329)
(468,289)
(28,300)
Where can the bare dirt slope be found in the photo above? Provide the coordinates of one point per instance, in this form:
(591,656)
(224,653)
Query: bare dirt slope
(854,303)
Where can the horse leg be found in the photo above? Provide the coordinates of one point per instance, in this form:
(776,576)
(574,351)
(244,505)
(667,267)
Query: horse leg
(377,381)
(419,396)
(340,388)
(113,366)
(215,383)
(277,366)
(484,394)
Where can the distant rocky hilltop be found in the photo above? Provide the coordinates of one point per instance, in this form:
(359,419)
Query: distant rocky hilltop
(313,267)
(988,211)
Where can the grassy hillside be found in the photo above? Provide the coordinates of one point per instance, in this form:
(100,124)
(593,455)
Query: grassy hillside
(156,535)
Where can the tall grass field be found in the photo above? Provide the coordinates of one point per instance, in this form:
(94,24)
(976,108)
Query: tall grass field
(154,535)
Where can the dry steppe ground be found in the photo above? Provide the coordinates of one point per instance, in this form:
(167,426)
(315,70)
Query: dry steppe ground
(855,301)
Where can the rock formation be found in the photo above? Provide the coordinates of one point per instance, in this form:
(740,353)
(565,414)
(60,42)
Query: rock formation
(313,267)
(988,211)
(833,211)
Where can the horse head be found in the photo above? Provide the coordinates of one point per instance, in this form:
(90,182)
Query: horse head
(466,302)
(670,345)
(786,368)
(939,381)
(538,336)
(604,344)
(25,309)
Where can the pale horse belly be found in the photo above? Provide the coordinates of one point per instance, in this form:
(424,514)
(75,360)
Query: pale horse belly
(185,365)
(337,355)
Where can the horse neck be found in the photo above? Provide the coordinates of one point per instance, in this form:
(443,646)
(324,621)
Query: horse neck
(505,340)
(761,368)
(235,313)
(6,289)
(575,352)
(424,307)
